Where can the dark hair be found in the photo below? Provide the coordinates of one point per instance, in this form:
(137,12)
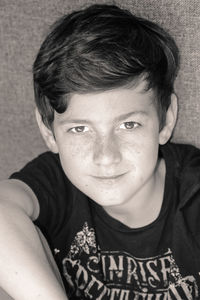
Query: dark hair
(98,48)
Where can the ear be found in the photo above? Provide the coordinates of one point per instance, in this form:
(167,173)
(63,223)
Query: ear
(170,121)
(46,133)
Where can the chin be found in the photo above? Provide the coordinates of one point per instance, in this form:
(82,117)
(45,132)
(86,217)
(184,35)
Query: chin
(106,201)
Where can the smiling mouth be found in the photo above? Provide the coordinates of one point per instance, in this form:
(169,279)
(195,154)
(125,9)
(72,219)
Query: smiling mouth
(109,178)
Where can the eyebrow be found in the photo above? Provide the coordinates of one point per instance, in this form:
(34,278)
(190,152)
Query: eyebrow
(117,119)
(127,115)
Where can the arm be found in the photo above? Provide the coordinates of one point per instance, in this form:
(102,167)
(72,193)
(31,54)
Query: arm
(25,270)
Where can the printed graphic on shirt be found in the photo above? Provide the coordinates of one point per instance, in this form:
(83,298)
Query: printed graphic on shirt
(116,275)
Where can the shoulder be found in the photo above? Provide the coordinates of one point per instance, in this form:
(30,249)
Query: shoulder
(46,181)
(184,156)
(187,158)
(43,173)
(23,189)
(181,150)
(17,195)
(45,177)
(185,162)
(43,162)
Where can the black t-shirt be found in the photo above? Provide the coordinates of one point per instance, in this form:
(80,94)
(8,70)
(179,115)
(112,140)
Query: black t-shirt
(100,257)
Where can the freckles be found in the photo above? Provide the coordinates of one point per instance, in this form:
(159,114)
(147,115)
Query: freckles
(130,147)
(141,179)
(132,152)
(79,150)
(76,151)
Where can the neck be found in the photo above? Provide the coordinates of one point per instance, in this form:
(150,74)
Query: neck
(142,210)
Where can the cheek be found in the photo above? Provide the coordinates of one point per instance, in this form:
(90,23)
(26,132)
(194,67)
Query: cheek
(142,151)
(74,153)
(76,162)
(132,148)
(129,144)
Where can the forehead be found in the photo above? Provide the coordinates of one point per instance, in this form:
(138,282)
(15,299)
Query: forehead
(109,103)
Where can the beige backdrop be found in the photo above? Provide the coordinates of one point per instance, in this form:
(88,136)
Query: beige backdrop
(23,25)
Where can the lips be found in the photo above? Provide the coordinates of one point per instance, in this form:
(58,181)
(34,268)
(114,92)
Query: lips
(109,177)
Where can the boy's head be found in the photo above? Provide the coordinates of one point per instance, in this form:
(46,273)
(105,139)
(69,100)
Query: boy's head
(100,48)
(104,84)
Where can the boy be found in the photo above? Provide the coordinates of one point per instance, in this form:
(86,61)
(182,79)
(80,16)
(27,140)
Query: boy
(118,203)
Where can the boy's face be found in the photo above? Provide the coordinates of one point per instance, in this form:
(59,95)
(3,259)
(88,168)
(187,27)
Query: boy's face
(108,144)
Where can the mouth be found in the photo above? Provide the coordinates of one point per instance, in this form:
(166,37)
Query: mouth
(109,179)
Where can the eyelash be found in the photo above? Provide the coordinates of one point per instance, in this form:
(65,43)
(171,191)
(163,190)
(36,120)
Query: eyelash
(75,129)
(135,125)
(81,129)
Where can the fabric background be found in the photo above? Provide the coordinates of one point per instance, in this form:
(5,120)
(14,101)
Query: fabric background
(23,25)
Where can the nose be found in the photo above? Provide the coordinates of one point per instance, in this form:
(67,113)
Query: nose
(106,151)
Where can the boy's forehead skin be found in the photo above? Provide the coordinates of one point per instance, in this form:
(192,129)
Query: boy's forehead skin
(78,109)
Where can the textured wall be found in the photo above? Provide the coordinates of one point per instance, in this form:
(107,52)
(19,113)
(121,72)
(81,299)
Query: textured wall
(23,24)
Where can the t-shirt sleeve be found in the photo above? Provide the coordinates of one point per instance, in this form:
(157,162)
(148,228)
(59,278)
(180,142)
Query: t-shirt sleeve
(45,176)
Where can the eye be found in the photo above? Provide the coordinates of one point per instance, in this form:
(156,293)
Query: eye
(79,129)
(129,125)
